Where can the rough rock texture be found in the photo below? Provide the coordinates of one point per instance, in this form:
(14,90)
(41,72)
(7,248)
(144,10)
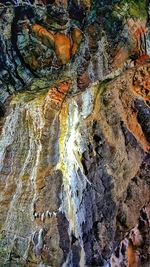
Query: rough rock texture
(74,133)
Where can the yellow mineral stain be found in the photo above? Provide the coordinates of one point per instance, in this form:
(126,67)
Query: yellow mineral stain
(96,92)
(63,163)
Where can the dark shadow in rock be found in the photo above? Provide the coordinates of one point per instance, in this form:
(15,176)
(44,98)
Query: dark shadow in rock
(2,109)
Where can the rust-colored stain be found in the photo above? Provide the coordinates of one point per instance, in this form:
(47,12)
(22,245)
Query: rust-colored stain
(132,255)
(139,31)
(64,87)
(59,92)
(64,45)
(142,59)
(62,48)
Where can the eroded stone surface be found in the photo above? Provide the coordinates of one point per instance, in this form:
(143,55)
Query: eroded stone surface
(75,139)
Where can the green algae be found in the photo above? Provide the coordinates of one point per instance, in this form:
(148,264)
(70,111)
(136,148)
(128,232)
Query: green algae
(25,97)
(130,8)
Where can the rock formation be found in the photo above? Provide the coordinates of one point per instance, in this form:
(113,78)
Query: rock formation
(74,133)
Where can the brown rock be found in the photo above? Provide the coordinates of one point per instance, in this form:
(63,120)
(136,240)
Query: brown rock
(76,38)
(141,82)
(83,81)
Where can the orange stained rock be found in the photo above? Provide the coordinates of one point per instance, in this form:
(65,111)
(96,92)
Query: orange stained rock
(136,27)
(64,87)
(61,3)
(137,30)
(57,94)
(76,38)
(133,126)
(142,59)
(143,92)
(46,37)
(132,257)
(62,48)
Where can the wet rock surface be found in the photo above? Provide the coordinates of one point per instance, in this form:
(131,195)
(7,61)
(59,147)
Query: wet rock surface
(74,133)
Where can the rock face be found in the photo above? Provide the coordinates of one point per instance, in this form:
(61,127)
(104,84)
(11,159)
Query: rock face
(74,134)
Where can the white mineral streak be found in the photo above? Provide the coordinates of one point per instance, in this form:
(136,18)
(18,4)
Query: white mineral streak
(91,72)
(40,243)
(71,149)
(87,102)
(22,130)
(35,139)
(8,133)
(34,114)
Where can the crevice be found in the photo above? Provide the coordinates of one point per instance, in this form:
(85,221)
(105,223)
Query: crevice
(2,109)
(73,239)
(83,161)
(16,71)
